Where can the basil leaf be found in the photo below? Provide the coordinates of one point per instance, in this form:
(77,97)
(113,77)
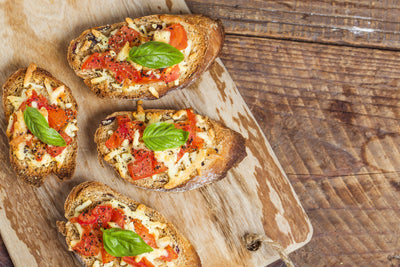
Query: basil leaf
(161,136)
(39,127)
(155,55)
(119,243)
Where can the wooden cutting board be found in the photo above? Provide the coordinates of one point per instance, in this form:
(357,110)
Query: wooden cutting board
(255,197)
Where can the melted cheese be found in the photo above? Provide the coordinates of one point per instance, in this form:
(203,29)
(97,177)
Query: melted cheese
(124,53)
(162,36)
(20,153)
(71,129)
(54,96)
(16,101)
(19,124)
(81,207)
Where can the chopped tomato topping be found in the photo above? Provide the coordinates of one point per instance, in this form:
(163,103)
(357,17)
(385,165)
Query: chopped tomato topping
(114,141)
(146,262)
(90,243)
(194,142)
(144,233)
(105,257)
(124,72)
(144,165)
(170,74)
(178,37)
(54,151)
(123,35)
(142,263)
(122,119)
(40,101)
(118,217)
(126,129)
(103,213)
(58,117)
(172,255)
(182,152)
(86,218)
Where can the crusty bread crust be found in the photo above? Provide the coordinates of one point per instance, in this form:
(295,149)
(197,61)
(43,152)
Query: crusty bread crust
(206,35)
(35,176)
(232,151)
(99,193)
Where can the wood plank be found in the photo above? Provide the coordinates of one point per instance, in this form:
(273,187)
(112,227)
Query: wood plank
(366,23)
(332,117)
(256,197)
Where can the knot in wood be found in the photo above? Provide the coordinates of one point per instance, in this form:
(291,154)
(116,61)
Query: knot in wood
(252,241)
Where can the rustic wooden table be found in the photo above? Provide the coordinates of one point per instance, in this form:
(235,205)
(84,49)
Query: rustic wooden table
(321,78)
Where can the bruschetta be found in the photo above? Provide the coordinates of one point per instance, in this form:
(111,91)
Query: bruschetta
(145,58)
(42,126)
(106,228)
(141,148)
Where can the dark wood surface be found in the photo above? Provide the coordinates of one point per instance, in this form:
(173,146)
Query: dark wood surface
(322,78)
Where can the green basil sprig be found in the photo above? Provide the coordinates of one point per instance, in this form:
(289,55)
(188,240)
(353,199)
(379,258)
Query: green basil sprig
(40,128)
(155,55)
(120,243)
(161,136)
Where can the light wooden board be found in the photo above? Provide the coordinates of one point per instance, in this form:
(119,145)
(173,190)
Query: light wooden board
(256,196)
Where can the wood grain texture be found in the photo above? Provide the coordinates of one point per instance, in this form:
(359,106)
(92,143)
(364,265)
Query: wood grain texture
(366,23)
(255,197)
(331,114)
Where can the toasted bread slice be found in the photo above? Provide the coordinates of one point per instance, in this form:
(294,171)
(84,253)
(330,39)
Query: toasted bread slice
(204,42)
(86,196)
(32,159)
(210,152)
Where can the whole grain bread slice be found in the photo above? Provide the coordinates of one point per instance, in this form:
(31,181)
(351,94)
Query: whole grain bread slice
(98,193)
(35,175)
(227,151)
(205,34)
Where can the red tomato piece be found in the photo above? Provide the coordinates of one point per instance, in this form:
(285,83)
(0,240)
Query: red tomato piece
(144,233)
(114,141)
(123,35)
(126,130)
(90,243)
(170,74)
(118,217)
(95,61)
(122,119)
(142,263)
(125,71)
(103,214)
(180,154)
(40,101)
(146,262)
(144,165)
(135,125)
(117,137)
(172,255)
(54,151)
(86,218)
(57,117)
(178,37)
(106,258)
